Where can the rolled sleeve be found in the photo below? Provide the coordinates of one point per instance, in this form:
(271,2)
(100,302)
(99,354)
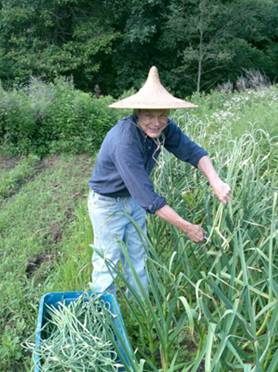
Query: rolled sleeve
(157,203)
(182,146)
(130,165)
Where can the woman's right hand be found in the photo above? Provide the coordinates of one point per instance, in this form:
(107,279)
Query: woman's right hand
(194,232)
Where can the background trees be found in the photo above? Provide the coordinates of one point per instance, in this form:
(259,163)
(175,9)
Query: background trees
(195,43)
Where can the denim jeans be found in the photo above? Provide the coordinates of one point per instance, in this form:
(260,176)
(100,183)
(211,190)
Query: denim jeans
(111,221)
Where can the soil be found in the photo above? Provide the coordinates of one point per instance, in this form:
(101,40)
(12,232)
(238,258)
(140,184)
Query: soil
(8,163)
(35,262)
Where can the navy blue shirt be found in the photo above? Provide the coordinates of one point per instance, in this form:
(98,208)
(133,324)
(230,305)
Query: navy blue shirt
(126,159)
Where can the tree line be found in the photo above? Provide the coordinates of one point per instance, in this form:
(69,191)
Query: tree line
(109,45)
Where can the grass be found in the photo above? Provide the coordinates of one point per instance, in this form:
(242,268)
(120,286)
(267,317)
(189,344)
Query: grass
(211,306)
(11,180)
(32,225)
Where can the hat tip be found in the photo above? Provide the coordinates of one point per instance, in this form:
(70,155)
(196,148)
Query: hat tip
(153,70)
(153,74)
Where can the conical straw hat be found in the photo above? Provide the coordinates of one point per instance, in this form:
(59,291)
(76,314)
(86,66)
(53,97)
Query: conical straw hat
(152,95)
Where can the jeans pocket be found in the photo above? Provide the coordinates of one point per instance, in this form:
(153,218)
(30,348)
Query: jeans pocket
(105,201)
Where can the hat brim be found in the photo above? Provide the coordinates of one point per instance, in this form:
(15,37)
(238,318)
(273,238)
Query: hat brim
(134,102)
(153,95)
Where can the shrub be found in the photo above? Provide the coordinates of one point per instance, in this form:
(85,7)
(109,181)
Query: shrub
(17,125)
(54,118)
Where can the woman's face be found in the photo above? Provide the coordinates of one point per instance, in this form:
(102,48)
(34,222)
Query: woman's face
(153,121)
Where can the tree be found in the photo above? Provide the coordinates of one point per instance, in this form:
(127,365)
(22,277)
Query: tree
(197,29)
(53,38)
(196,44)
(213,41)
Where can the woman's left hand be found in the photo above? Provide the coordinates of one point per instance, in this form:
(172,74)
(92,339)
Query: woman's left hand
(222,191)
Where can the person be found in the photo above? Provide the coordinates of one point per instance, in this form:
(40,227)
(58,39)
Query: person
(121,190)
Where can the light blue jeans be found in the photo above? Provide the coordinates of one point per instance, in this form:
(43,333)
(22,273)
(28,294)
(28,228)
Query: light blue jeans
(112,223)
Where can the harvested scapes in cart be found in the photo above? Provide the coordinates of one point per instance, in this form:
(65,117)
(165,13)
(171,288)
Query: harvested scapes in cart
(77,337)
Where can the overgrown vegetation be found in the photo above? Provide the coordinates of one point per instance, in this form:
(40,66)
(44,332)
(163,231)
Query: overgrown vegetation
(212,305)
(52,118)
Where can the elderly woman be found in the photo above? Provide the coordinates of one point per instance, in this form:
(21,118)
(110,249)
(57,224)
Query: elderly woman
(121,190)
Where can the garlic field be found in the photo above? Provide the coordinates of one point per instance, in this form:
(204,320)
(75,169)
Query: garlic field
(211,306)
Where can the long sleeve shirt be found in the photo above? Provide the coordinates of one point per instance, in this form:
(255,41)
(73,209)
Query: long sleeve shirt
(127,157)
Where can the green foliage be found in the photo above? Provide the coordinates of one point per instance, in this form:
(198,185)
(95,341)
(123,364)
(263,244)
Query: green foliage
(195,43)
(17,126)
(76,122)
(53,118)
(53,39)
